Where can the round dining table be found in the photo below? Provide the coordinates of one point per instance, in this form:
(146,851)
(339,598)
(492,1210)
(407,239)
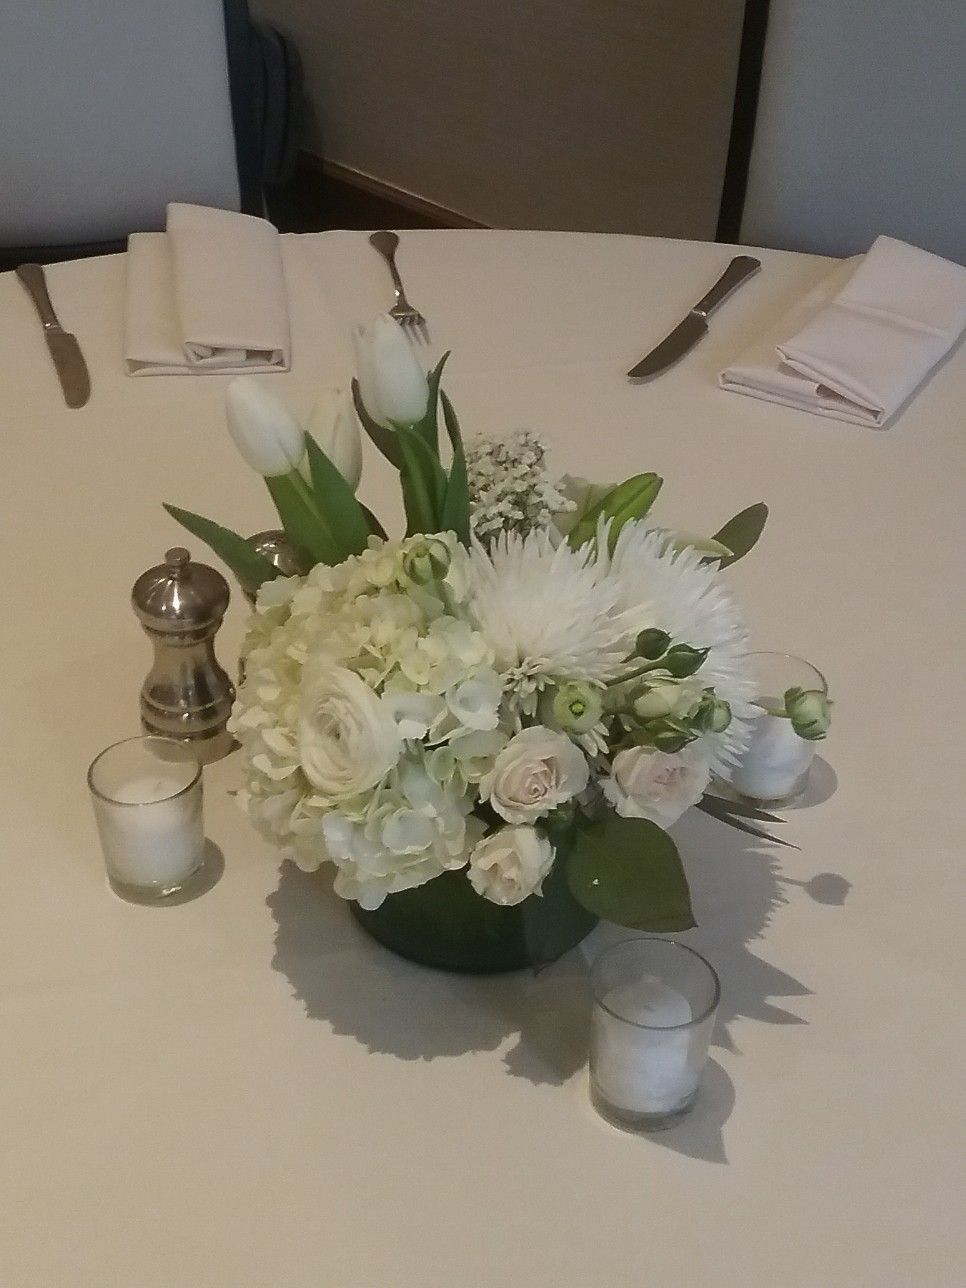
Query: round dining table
(241,1090)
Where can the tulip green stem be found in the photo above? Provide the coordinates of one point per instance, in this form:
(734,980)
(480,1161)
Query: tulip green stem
(304,492)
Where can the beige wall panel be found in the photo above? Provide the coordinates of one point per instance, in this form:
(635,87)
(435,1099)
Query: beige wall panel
(609,115)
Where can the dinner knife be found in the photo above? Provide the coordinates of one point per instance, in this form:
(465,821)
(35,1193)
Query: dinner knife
(68,360)
(687,333)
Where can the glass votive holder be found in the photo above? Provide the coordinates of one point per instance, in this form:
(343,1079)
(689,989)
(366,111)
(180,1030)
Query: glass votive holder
(147,799)
(654,1003)
(775,767)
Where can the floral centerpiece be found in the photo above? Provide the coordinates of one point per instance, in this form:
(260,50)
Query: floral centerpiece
(487,725)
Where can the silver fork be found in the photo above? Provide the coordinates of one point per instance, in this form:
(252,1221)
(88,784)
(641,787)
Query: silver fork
(385,243)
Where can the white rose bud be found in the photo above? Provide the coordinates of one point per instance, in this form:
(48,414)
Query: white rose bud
(535,772)
(335,427)
(645,783)
(510,864)
(348,738)
(392,383)
(263,429)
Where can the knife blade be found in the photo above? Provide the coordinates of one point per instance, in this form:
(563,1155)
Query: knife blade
(688,332)
(68,360)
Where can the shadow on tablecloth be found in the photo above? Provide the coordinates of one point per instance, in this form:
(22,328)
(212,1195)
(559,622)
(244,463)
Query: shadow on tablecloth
(540,1023)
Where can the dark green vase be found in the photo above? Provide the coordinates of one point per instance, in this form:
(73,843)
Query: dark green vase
(446,924)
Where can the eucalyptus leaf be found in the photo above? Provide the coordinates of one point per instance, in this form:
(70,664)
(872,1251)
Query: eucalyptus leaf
(741,533)
(303,526)
(627,870)
(251,568)
(336,502)
(385,439)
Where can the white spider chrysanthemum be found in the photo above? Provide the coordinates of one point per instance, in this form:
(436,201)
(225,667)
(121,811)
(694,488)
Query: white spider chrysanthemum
(550,614)
(687,597)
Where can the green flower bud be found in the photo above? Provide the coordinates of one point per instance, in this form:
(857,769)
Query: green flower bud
(572,708)
(713,714)
(668,739)
(810,713)
(652,644)
(426,560)
(682,660)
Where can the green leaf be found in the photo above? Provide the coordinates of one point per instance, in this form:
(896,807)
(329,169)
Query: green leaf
(704,545)
(336,502)
(739,824)
(304,527)
(251,568)
(428,427)
(423,483)
(627,870)
(742,532)
(631,499)
(385,439)
(724,805)
(456,503)
(375,527)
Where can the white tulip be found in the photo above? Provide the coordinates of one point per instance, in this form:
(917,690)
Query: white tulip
(392,383)
(335,427)
(263,429)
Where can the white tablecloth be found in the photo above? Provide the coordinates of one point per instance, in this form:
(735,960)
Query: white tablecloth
(242,1091)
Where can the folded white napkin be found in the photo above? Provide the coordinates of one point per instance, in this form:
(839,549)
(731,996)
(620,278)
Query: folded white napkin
(858,345)
(206,295)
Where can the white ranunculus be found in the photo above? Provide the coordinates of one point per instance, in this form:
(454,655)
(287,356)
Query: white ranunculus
(263,429)
(335,427)
(535,772)
(508,865)
(645,783)
(392,383)
(348,739)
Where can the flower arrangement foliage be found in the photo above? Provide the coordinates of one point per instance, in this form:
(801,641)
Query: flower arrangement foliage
(534,659)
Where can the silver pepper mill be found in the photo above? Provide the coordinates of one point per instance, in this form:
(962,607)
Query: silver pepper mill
(186,695)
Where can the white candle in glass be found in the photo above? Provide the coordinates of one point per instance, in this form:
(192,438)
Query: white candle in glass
(654,1006)
(776,763)
(148,804)
(644,1069)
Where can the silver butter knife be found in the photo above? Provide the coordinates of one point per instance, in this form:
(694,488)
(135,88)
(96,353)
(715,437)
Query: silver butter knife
(687,333)
(68,360)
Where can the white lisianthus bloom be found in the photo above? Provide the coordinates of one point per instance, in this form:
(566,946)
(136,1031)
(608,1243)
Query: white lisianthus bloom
(347,737)
(263,429)
(335,427)
(475,702)
(392,383)
(535,772)
(510,864)
(646,783)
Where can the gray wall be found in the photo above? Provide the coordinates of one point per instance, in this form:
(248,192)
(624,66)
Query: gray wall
(609,115)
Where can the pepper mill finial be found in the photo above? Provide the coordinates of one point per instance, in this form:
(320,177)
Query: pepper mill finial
(186,695)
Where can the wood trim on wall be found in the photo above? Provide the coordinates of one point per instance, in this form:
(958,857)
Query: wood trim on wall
(753,34)
(351,178)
